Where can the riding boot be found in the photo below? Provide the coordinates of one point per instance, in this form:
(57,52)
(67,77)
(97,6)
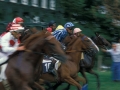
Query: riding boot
(51,69)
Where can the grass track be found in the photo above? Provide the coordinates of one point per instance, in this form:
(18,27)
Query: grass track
(105,80)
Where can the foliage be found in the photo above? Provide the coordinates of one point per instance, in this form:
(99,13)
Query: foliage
(92,15)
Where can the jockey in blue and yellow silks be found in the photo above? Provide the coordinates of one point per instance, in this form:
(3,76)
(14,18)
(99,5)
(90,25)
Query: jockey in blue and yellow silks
(60,35)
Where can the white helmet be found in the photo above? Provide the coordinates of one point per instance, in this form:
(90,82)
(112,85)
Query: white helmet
(76,30)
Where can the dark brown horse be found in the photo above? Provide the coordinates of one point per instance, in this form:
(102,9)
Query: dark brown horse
(101,43)
(21,65)
(68,71)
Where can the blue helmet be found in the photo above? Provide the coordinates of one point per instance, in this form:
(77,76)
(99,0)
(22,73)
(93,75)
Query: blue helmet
(68,24)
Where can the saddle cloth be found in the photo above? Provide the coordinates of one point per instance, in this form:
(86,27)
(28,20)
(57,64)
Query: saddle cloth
(46,64)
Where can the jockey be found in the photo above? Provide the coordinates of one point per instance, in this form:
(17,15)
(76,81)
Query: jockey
(60,35)
(51,26)
(9,42)
(76,32)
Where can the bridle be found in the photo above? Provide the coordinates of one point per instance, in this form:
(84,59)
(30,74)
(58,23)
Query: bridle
(100,41)
(88,50)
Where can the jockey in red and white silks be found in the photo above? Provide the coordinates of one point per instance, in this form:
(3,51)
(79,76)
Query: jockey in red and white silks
(9,42)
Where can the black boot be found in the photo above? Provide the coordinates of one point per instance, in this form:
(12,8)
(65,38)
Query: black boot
(51,69)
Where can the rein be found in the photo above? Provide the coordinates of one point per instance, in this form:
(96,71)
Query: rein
(75,51)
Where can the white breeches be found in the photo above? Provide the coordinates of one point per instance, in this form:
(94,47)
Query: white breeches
(3,58)
(2,74)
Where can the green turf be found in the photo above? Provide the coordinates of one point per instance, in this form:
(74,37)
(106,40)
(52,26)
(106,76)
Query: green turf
(105,80)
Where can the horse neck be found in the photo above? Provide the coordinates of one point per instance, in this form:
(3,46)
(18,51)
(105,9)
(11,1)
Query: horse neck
(75,57)
(75,53)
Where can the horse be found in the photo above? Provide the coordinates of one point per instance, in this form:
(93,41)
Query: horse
(21,64)
(84,67)
(66,73)
(101,43)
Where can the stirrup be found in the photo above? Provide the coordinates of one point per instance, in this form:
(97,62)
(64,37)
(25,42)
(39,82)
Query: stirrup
(53,72)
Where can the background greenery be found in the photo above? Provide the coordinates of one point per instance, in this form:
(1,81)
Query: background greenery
(94,16)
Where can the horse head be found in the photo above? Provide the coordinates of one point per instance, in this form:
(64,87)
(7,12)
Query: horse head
(44,43)
(91,46)
(86,43)
(100,41)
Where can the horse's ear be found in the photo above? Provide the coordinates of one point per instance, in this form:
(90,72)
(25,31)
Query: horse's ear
(97,34)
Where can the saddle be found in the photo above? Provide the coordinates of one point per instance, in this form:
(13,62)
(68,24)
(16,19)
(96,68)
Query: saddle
(47,62)
(86,60)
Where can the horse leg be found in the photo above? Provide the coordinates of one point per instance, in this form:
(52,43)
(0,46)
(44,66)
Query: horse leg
(73,82)
(80,79)
(39,87)
(97,76)
(83,74)
(15,80)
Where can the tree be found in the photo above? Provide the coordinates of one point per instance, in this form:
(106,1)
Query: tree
(98,15)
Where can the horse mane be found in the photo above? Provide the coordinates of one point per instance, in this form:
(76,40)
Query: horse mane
(67,40)
(81,35)
(73,38)
(31,38)
(34,30)
(35,36)
(72,41)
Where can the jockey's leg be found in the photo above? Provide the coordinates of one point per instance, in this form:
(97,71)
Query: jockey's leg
(2,74)
(3,58)
(52,68)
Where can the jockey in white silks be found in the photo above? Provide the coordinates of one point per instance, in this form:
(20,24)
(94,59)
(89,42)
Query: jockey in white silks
(9,42)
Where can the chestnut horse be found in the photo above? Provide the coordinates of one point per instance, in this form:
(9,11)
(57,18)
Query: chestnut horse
(21,64)
(68,72)
(100,42)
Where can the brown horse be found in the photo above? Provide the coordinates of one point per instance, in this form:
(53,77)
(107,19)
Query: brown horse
(101,42)
(67,72)
(21,65)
